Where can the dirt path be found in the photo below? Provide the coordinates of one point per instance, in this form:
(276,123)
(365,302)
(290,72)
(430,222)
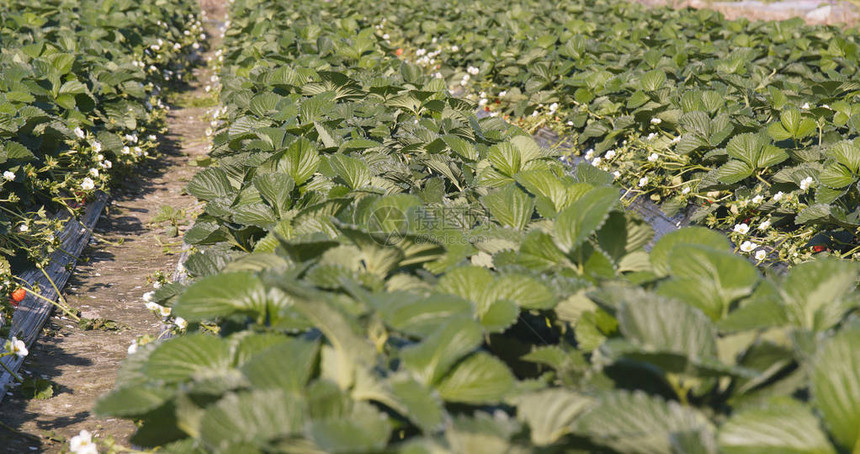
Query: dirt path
(831,12)
(108,283)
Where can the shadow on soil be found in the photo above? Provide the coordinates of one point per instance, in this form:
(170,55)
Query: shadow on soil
(51,358)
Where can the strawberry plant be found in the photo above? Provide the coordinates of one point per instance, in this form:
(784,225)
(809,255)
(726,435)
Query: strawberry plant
(379,270)
(660,98)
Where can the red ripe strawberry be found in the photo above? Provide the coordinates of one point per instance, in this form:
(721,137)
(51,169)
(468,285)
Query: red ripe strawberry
(398,52)
(18,296)
(819,248)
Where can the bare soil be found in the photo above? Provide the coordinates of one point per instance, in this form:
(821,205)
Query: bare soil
(109,283)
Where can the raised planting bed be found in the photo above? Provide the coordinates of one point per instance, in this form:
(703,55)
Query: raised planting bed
(43,284)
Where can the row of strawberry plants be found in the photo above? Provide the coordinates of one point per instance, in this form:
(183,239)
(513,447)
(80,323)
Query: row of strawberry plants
(378,270)
(754,125)
(81,101)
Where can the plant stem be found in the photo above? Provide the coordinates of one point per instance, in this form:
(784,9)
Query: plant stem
(758,177)
(13,374)
(62,304)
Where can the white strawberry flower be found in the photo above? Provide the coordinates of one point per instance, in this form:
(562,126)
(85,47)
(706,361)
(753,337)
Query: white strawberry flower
(455,48)
(386,36)
(88,184)
(181,323)
(778,196)
(80,133)
(596,162)
(94,173)
(758,199)
(643,181)
(126,150)
(806,183)
(653,157)
(151,137)
(656,121)
(676,139)
(132,349)
(760,255)
(741,228)
(748,246)
(164,311)
(589,155)
(473,70)
(17,347)
(553,107)
(8,175)
(97,146)
(764,224)
(609,154)
(83,444)
(24,228)
(651,136)
(616,174)
(153,306)
(503,93)
(686,190)
(805,106)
